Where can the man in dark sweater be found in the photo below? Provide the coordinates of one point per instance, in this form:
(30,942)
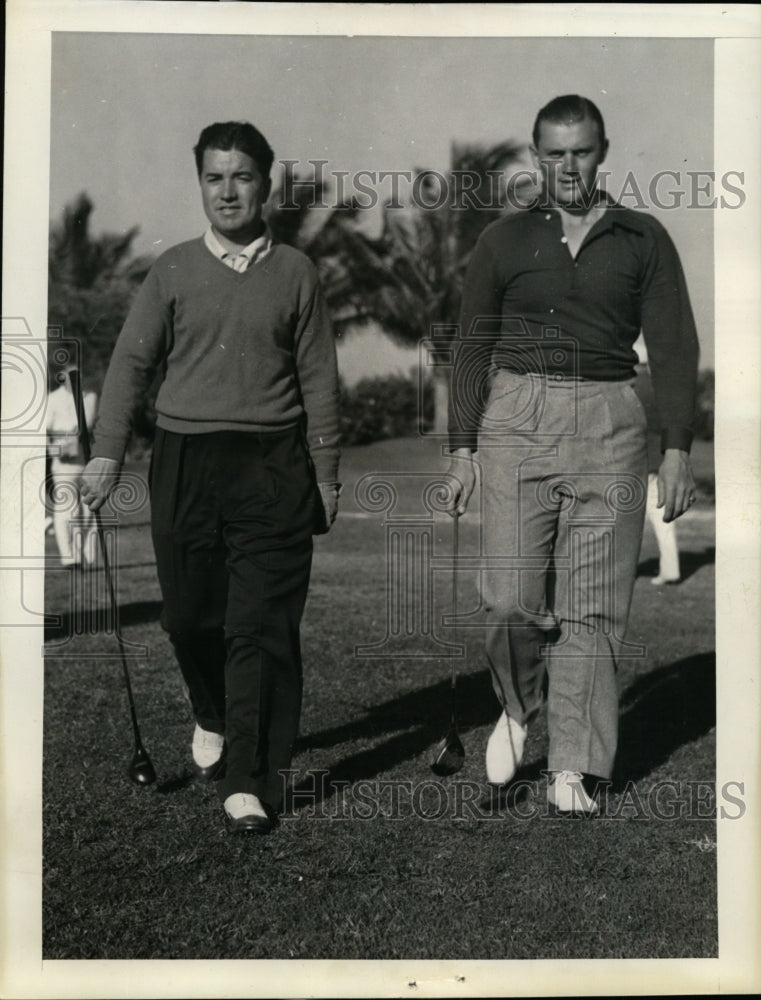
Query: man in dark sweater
(244,466)
(554,300)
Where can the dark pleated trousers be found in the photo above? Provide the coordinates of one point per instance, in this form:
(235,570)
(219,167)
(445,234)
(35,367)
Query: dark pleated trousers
(232,516)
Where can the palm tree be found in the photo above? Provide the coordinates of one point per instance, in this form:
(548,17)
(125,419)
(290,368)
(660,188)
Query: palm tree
(78,259)
(328,236)
(92,281)
(409,279)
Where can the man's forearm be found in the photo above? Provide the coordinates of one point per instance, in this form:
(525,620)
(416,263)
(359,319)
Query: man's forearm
(122,392)
(323,431)
(139,350)
(318,379)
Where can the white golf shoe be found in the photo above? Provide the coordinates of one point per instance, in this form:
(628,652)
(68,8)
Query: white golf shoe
(504,751)
(246,814)
(567,794)
(208,750)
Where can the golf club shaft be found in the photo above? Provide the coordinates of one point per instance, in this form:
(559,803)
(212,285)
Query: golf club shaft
(455,556)
(84,437)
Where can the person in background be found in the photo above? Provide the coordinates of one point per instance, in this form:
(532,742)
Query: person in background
(665,531)
(73,521)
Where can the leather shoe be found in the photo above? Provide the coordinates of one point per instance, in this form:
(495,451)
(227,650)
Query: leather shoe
(208,753)
(246,814)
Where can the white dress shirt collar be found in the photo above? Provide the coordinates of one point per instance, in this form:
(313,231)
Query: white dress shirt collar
(244,258)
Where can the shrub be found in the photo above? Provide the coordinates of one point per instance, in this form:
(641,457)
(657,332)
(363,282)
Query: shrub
(383,407)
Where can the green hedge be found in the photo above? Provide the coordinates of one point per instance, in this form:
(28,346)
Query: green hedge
(383,407)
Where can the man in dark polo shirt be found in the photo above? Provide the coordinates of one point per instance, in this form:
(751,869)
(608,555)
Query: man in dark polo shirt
(554,300)
(244,465)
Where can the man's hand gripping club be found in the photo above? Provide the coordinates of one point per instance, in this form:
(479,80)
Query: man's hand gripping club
(98,479)
(462,472)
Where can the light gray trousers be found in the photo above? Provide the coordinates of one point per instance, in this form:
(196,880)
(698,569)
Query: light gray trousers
(564,485)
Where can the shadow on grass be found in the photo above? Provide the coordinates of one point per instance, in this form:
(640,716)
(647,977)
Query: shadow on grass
(689,563)
(89,620)
(176,783)
(426,710)
(660,712)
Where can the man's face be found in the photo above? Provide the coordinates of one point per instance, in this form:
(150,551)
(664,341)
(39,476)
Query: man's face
(568,157)
(233,192)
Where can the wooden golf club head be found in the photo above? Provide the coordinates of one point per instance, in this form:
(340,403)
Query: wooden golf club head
(141,769)
(450,755)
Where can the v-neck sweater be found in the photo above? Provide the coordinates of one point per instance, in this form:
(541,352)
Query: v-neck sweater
(529,305)
(251,351)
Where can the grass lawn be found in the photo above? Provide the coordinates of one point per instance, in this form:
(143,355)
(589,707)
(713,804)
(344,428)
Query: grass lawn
(374,858)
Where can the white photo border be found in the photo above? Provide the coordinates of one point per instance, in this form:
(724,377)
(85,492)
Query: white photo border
(736,29)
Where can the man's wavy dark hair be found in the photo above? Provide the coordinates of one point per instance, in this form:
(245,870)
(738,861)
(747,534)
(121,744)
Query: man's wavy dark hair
(566,109)
(235,135)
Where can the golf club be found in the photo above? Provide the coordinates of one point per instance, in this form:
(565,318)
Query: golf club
(140,769)
(450,753)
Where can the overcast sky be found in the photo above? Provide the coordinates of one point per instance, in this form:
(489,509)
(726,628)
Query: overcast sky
(127,109)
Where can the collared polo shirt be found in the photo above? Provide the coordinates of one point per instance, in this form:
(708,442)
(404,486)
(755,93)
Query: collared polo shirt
(529,306)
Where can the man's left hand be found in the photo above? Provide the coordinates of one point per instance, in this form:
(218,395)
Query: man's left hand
(676,484)
(330,492)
